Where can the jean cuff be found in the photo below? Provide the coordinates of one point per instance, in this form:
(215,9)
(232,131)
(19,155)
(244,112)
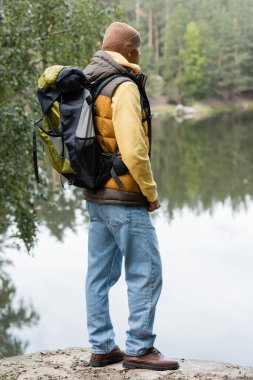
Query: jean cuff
(140,352)
(103,352)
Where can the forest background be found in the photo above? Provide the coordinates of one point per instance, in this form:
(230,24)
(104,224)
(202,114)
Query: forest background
(196,49)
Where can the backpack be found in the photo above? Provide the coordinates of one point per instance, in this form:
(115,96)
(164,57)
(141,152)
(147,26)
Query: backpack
(67,129)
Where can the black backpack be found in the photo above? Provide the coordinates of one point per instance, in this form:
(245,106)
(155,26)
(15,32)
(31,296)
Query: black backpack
(67,129)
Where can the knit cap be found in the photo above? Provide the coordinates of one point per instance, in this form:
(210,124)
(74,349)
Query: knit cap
(121,37)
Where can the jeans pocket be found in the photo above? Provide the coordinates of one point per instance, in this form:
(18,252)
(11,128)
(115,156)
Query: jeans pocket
(120,215)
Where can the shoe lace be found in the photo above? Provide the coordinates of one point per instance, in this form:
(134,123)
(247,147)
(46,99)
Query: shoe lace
(156,352)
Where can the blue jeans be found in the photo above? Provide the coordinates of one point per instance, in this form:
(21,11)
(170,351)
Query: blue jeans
(116,231)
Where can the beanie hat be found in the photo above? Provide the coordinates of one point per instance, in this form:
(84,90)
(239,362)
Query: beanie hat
(121,38)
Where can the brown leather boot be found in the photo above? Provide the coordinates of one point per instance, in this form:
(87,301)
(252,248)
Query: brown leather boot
(152,359)
(101,360)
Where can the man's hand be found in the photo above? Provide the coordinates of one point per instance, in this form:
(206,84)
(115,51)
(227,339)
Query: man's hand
(152,206)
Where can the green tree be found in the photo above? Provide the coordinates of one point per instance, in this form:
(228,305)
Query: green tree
(177,21)
(229,59)
(191,78)
(243,13)
(34,35)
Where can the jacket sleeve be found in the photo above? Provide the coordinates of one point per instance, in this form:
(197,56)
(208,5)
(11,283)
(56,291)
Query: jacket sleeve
(130,136)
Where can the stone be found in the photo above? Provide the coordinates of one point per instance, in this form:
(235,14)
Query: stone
(72,364)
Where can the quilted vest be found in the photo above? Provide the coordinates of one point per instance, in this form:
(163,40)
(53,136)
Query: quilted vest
(106,135)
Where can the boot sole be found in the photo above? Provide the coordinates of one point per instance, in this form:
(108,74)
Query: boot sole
(130,365)
(105,362)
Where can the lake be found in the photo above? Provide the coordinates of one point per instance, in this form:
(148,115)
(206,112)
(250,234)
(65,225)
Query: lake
(204,172)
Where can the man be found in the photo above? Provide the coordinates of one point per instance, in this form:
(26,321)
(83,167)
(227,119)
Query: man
(120,224)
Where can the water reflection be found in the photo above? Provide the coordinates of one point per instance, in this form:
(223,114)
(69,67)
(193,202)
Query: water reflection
(60,212)
(198,164)
(13,315)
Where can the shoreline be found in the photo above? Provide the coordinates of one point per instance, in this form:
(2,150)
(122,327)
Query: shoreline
(202,110)
(73,364)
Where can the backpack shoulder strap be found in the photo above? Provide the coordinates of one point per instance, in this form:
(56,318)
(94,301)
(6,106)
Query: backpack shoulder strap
(108,85)
(110,88)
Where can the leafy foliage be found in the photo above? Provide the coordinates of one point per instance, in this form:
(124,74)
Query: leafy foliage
(191,79)
(34,35)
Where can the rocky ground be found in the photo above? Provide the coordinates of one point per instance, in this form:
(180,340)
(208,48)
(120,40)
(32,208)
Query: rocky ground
(72,364)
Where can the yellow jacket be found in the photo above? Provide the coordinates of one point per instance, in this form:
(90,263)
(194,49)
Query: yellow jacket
(129,133)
